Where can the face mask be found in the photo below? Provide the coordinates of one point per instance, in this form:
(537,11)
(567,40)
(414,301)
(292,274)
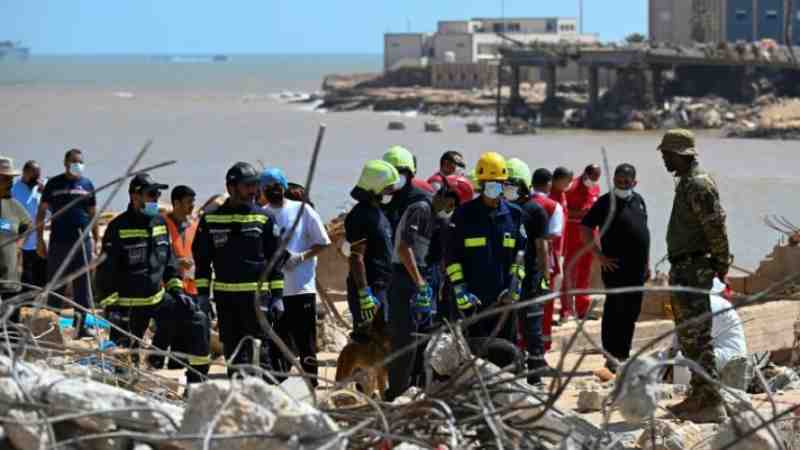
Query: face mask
(623,194)
(386,199)
(401,182)
(444,215)
(589,183)
(76,169)
(493,190)
(150,209)
(511,193)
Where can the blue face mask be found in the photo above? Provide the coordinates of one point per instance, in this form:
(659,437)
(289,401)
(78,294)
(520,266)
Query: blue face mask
(150,209)
(493,189)
(76,169)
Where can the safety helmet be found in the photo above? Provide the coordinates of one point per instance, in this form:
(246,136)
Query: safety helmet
(377,175)
(491,167)
(462,188)
(518,170)
(241,172)
(273,175)
(400,158)
(472,176)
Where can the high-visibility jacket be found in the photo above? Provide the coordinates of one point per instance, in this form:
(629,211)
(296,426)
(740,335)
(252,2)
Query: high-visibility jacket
(139,262)
(182,249)
(232,247)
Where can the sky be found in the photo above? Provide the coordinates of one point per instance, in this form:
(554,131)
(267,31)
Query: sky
(272,26)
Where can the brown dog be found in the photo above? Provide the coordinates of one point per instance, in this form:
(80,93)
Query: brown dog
(363,362)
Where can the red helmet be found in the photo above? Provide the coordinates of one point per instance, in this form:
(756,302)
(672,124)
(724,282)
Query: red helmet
(462,187)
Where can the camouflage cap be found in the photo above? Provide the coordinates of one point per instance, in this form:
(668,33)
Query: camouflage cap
(678,141)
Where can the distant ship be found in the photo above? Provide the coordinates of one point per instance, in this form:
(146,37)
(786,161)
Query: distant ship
(13,51)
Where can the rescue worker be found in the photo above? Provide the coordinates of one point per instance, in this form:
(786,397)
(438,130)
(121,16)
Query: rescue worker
(518,191)
(698,251)
(562,179)
(369,244)
(402,160)
(581,196)
(233,246)
(182,228)
(542,184)
(140,281)
(484,238)
(451,163)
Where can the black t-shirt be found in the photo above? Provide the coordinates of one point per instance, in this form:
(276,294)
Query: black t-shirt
(535,221)
(367,222)
(627,238)
(58,193)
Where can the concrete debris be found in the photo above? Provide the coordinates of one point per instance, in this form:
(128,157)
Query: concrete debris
(736,401)
(331,338)
(637,387)
(27,436)
(589,401)
(251,405)
(447,354)
(732,434)
(737,373)
(667,435)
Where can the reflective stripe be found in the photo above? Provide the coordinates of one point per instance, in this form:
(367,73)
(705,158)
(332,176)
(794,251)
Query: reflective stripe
(236,218)
(159,230)
(175,283)
(130,233)
(114,299)
(199,360)
(509,242)
(235,287)
(455,272)
(202,282)
(277,284)
(475,242)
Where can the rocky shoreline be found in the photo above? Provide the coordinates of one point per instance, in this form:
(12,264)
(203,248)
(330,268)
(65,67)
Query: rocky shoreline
(769,116)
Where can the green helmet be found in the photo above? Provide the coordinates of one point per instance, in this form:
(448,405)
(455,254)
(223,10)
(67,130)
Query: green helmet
(472,176)
(400,158)
(377,175)
(518,170)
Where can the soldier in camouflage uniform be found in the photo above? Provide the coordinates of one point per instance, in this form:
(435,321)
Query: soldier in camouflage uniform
(697,245)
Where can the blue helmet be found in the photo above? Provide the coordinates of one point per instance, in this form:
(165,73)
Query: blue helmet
(272,176)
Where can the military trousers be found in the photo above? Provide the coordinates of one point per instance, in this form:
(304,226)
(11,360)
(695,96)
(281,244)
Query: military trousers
(694,338)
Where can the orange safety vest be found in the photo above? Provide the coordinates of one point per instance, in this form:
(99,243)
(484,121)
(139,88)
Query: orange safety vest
(182,249)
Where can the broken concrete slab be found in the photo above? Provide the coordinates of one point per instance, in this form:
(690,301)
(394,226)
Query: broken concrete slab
(25,433)
(736,434)
(251,405)
(636,388)
(667,435)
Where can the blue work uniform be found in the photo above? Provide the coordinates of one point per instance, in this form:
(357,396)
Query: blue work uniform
(482,245)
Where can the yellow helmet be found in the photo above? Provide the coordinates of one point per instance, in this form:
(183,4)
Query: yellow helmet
(492,167)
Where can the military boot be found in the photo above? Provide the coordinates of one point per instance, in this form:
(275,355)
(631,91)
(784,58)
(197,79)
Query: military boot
(708,413)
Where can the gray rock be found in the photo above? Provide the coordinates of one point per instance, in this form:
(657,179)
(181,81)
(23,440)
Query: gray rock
(736,401)
(675,436)
(26,436)
(255,406)
(589,401)
(636,389)
(142,446)
(737,373)
(447,353)
(732,432)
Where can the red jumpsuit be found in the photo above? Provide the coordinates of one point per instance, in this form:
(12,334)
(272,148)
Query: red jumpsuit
(579,197)
(549,206)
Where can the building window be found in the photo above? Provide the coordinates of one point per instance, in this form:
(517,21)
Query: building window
(772,14)
(551,26)
(395,44)
(513,27)
(450,77)
(741,14)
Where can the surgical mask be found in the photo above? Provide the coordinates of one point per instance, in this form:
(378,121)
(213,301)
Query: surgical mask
(150,209)
(444,215)
(401,182)
(511,193)
(589,183)
(76,169)
(493,189)
(386,199)
(623,194)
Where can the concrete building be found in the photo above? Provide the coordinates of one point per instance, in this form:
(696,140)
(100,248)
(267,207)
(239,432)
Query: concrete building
(723,20)
(471,44)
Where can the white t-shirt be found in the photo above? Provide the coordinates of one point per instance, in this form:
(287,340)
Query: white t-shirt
(555,224)
(310,232)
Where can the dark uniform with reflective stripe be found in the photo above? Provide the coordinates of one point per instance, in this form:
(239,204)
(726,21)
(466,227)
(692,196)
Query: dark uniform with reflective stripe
(482,246)
(136,281)
(232,247)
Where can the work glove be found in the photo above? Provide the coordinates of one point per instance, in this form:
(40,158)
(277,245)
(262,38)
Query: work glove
(464,299)
(293,260)
(369,304)
(423,309)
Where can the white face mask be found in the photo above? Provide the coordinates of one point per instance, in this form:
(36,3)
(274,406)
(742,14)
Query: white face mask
(445,215)
(511,193)
(386,198)
(623,194)
(493,189)
(589,183)
(76,169)
(401,182)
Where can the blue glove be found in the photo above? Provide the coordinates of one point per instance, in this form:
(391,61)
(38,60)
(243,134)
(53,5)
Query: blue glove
(276,308)
(368,303)
(423,310)
(464,300)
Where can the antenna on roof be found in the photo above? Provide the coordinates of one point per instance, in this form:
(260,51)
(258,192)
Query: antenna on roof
(408,25)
